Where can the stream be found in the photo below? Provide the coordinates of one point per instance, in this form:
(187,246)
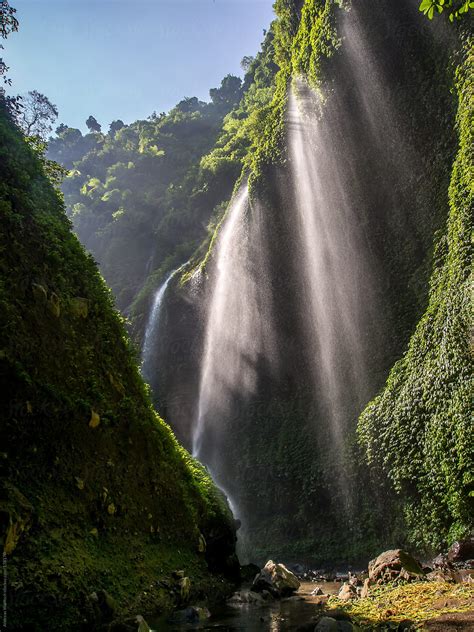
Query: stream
(275,616)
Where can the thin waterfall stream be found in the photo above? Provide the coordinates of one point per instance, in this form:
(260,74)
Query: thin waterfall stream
(148,352)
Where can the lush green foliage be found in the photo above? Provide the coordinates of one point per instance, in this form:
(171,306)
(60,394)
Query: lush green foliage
(457,9)
(95,491)
(420,427)
(137,192)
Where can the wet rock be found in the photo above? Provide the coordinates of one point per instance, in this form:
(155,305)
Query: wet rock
(326,624)
(395,564)
(347,592)
(277,579)
(246,597)
(461,551)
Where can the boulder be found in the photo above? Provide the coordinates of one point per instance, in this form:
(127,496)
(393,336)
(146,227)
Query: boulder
(245,597)
(277,579)
(394,565)
(347,592)
(461,551)
(326,624)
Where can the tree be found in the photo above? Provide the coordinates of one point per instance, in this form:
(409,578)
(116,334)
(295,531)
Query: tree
(37,114)
(115,126)
(93,125)
(246,62)
(229,92)
(457,7)
(8,24)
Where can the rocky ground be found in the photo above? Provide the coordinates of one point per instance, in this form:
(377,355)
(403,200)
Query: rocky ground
(395,593)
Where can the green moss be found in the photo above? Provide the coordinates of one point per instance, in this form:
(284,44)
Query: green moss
(419,427)
(115,505)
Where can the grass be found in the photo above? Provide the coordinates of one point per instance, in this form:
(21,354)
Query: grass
(417,602)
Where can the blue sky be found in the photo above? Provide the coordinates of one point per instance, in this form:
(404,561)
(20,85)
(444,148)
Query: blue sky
(126,58)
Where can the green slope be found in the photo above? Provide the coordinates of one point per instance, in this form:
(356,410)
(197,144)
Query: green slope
(96,493)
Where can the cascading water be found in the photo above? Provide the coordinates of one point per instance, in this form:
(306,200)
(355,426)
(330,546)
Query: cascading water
(238,330)
(148,352)
(338,298)
(296,292)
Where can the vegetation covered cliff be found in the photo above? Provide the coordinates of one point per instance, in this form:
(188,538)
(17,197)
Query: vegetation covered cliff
(99,504)
(386,82)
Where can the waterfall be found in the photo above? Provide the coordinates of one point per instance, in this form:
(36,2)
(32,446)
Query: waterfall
(152,329)
(238,329)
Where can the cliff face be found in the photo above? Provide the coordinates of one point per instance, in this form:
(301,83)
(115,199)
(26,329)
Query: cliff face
(96,494)
(380,81)
(393,118)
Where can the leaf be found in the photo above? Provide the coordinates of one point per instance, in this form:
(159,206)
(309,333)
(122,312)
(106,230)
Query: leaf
(425,5)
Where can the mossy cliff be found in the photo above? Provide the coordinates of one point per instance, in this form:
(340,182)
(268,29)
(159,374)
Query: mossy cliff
(277,460)
(419,428)
(96,494)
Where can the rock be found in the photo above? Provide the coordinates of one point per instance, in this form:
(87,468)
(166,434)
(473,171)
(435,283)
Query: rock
(79,307)
(326,624)
(461,551)
(317,591)
(184,587)
(465,575)
(246,597)
(345,626)
(439,561)
(277,579)
(94,420)
(444,574)
(365,589)
(347,592)
(394,565)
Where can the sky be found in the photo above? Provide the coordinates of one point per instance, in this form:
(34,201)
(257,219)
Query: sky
(124,59)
